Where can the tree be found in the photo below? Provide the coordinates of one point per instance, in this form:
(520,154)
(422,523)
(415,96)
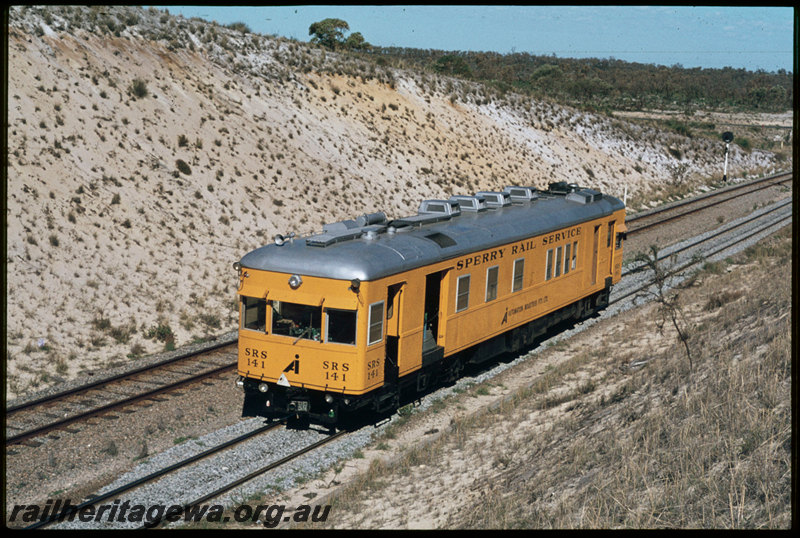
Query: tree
(356,42)
(328,32)
(669,306)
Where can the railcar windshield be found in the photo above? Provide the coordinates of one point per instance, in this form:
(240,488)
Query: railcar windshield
(296,320)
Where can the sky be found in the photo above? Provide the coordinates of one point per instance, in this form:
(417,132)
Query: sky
(714,36)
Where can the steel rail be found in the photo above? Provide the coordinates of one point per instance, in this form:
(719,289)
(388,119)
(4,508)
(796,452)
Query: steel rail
(778,206)
(219,491)
(710,194)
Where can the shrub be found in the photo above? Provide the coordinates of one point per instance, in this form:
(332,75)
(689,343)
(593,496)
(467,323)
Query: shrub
(183,167)
(239,27)
(161,332)
(138,88)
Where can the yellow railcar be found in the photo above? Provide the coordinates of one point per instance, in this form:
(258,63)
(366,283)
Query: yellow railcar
(369,309)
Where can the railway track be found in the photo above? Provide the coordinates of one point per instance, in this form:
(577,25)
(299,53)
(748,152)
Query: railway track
(687,255)
(215,492)
(649,219)
(59,412)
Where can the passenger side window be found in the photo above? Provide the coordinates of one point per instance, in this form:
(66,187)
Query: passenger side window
(491,283)
(558,261)
(462,293)
(519,271)
(341,326)
(574,253)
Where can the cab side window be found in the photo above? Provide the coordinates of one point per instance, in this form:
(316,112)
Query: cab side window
(254,313)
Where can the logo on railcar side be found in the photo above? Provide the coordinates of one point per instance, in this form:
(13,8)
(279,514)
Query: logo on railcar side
(518,309)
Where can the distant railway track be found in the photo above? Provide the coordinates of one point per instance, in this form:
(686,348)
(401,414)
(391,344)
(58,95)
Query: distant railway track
(32,419)
(763,221)
(670,212)
(59,411)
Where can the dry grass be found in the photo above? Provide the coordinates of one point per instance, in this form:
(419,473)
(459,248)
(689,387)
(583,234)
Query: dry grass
(622,434)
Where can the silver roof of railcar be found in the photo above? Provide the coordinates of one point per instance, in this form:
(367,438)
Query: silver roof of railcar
(385,248)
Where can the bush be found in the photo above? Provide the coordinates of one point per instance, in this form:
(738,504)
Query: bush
(183,168)
(239,27)
(138,88)
(161,332)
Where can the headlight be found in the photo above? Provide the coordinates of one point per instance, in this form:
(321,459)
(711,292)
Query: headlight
(329,398)
(263,387)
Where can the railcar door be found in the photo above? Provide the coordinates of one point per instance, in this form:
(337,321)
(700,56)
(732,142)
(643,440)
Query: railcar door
(610,246)
(433,288)
(595,253)
(393,309)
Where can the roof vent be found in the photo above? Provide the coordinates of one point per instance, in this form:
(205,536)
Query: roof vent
(584,196)
(470,203)
(521,194)
(495,199)
(439,207)
(369,225)
(441,239)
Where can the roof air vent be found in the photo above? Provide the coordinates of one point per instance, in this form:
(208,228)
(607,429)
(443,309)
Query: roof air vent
(470,203)
(584,196)
(562,187)
(495,199)
(439,207)
(521,194)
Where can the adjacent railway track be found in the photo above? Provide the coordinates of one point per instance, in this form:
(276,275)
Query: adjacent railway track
(57,412)
(649,219)
(775,216)
(212,493)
